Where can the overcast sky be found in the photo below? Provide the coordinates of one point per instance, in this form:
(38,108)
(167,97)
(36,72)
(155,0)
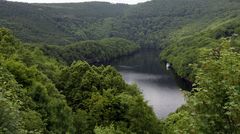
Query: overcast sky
(62,1)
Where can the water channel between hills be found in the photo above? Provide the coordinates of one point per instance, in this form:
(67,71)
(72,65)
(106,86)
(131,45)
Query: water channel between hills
(158,85)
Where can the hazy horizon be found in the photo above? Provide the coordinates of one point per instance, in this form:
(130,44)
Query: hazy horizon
(76,1)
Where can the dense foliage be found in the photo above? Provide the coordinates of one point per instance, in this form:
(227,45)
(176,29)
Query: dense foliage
(54,24)
(148,24)
(208,55)
(28,91)
(92,51)
(40,95)
(185,47)
(214,105)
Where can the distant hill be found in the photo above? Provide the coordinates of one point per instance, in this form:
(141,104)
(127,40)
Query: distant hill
(148,24)
(87,9)
(54,23)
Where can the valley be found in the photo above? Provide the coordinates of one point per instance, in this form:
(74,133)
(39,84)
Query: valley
(100,68)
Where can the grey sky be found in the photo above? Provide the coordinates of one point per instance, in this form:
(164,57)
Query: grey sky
(62,1)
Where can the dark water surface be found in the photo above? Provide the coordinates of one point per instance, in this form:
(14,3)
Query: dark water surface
(155,82)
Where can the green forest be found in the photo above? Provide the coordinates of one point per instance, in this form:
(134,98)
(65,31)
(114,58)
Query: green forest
(92,51)
(50,82)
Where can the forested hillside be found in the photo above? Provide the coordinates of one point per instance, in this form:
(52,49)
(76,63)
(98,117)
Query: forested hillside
(148,24)
(206,52)
(213,105)
(186,44)
(40,95)
(45,88)
(54,24)
(92,51)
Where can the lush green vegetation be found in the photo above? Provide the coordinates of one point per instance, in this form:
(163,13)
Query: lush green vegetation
(40,95)
(185,47)
(57,23)
(207,53)
(92,51)
(213,106)
(148,24)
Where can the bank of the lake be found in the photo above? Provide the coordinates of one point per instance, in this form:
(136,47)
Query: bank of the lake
(157,84)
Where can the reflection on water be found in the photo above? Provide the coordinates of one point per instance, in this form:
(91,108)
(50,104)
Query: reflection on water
(155,82)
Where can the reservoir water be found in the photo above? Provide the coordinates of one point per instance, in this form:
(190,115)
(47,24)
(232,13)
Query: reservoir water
(157,84)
